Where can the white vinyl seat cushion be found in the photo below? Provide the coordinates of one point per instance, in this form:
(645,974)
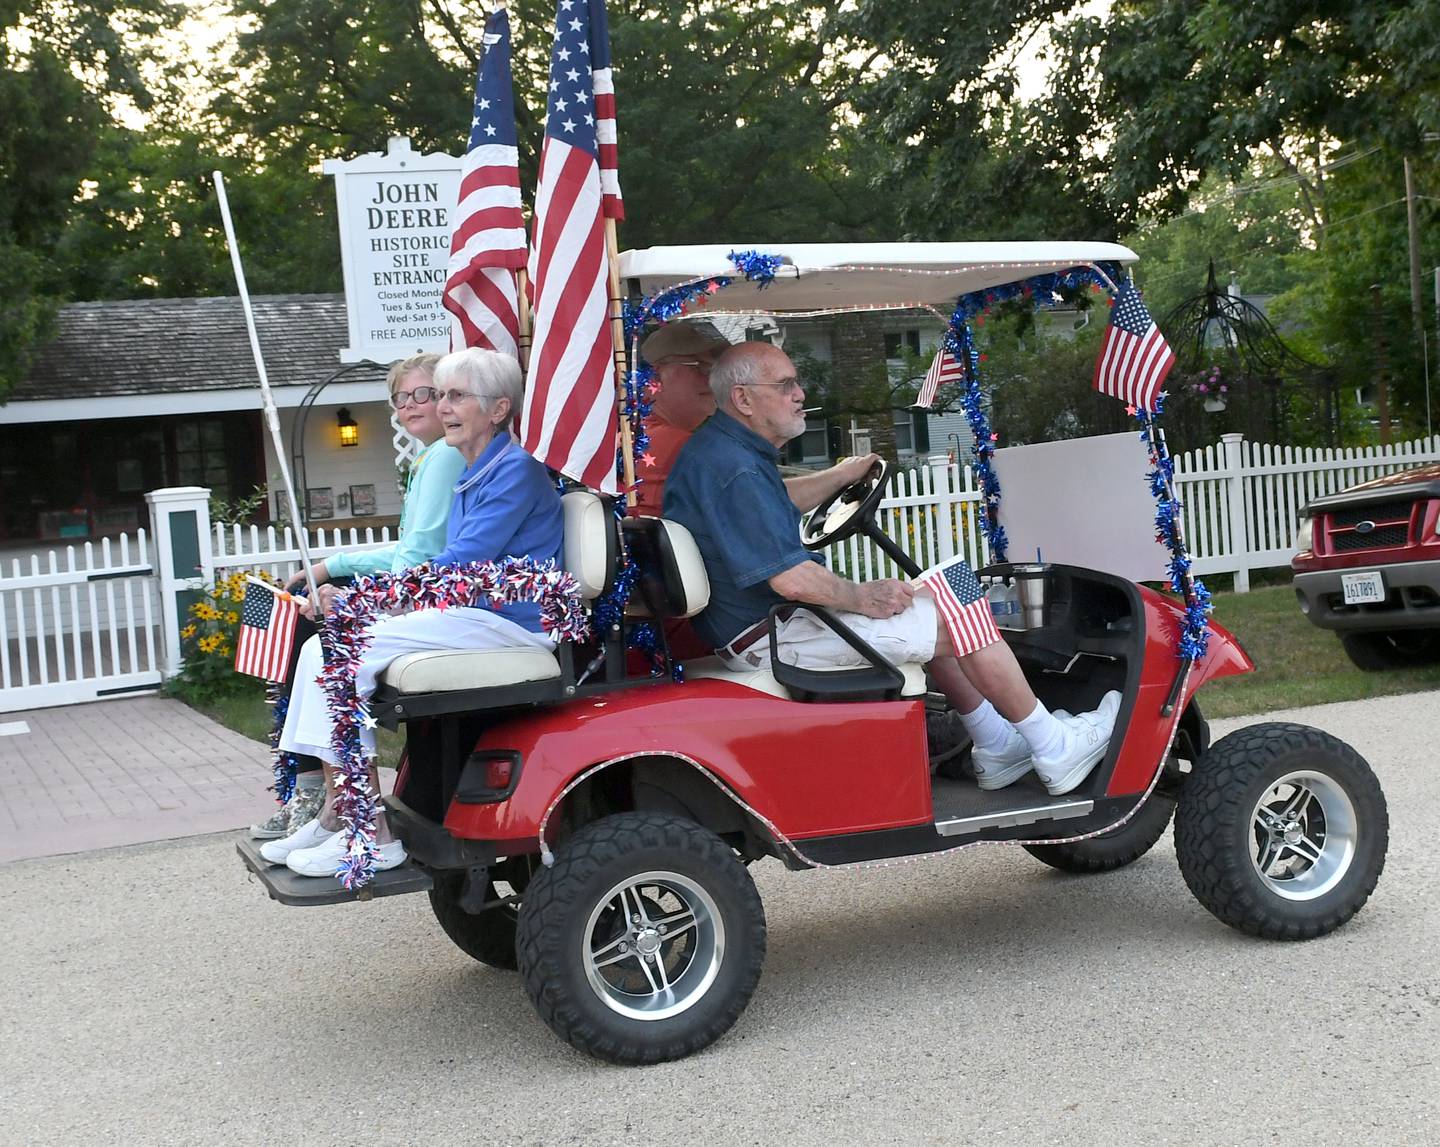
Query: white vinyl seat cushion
(453,669)
(588,530)
(763,681)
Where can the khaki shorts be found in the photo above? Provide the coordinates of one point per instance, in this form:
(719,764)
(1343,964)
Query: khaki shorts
(806,641)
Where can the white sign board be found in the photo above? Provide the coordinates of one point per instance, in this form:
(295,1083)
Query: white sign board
(396,213)
(1083,502)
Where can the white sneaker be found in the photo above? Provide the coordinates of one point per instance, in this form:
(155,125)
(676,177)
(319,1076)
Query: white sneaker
(1004,766)
(324,859)
(1089,737)
(308,835)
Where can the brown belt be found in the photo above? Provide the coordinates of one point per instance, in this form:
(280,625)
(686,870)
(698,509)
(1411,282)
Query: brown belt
(745,640)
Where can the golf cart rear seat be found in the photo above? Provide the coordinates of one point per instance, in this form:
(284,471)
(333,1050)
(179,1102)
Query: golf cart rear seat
(673,584)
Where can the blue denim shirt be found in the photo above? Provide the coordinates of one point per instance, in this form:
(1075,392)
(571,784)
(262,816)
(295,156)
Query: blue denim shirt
(726,490)
(505,506)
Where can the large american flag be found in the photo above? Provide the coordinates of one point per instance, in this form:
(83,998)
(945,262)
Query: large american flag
(570,420)
(267,629)
(962,605)
(944,370)
(488,245)
(1134,358)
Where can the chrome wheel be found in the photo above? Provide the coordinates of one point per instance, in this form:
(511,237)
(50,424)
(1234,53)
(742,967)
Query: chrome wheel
(1302,835)
(653,945)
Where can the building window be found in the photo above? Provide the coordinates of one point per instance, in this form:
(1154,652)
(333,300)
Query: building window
(812,447)
(897,342)
(912,432)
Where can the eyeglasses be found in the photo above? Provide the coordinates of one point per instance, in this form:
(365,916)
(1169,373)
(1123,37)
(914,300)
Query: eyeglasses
(455,397)
(786,386)
(419,396)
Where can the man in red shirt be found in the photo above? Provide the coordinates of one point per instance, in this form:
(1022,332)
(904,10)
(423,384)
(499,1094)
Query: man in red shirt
(682,354)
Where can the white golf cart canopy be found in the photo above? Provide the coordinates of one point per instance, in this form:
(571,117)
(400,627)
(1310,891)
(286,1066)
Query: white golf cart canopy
(828,277)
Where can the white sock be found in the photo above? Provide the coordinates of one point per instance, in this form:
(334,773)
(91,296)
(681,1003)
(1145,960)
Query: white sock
(1045,735)
(986,727)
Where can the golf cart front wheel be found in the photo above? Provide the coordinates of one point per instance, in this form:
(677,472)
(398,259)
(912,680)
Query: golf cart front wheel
(1281,831)
(644,941)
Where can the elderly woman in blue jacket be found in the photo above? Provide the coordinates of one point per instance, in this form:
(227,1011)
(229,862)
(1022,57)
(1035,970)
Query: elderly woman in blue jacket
(506,505)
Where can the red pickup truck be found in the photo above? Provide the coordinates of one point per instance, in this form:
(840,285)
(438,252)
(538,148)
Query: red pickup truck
(1368,567)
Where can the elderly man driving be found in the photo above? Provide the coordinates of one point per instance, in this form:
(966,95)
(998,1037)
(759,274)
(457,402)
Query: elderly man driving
(726,489)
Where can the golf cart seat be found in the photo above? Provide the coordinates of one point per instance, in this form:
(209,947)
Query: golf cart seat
(590,548)
(673,583)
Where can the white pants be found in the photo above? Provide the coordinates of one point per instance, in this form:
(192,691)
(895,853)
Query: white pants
(307,722)
(806,641)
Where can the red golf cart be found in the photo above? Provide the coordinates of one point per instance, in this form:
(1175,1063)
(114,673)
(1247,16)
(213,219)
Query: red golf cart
(592,827)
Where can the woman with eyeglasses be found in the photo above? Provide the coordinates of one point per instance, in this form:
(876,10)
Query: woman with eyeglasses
(424,516)
(505,505)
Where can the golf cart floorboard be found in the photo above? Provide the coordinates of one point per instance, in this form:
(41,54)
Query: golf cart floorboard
(961,807)
(303,891)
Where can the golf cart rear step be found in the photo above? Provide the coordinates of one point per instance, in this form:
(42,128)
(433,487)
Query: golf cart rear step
(302,891)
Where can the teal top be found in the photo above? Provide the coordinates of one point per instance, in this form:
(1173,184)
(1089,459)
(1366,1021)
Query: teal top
(423,517)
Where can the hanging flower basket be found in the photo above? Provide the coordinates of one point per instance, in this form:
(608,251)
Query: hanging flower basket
(1215,404)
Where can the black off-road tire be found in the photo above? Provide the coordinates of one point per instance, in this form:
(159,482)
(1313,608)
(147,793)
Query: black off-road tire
(1114,849)
(487,936)
(1398,649)
(1214,826)
(553,946)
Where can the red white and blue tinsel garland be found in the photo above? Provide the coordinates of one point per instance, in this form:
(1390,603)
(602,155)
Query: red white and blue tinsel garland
(347,633)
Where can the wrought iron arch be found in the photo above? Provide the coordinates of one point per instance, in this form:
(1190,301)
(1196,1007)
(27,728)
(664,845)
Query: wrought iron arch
(1216,323)
(302,416)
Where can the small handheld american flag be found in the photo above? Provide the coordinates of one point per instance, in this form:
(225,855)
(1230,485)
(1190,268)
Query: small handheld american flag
(267,629)
(1134,358)
(943,371)
(962,606)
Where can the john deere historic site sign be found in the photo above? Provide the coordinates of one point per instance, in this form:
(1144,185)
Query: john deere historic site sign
(396,213)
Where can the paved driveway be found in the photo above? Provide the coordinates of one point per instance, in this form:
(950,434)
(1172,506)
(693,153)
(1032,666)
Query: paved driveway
(154,995)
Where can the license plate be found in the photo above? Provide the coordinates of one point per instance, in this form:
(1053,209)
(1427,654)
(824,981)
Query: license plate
(1363,588)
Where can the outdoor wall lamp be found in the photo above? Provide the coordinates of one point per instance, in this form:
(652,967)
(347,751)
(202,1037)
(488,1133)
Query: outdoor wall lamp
(349,429)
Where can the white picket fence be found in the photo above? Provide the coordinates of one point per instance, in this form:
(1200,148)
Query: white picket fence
(102,619)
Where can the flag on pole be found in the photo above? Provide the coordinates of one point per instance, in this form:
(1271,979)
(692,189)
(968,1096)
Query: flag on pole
(944,370)
(488,245)
(1134,358)
(267,630)
(962,606)
(604,84)
(569,421)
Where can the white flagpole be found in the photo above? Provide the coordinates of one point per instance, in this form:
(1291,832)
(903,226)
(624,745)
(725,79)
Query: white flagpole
(272,417)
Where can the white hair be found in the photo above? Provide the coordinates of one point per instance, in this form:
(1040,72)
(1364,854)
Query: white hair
(730,371)
(487,374)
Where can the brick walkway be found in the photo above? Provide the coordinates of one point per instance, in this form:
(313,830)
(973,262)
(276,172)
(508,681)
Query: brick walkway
(123,772)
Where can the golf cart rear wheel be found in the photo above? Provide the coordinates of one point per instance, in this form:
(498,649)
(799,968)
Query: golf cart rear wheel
(1281,831)
(1113,849)
(644,941)
(487,936)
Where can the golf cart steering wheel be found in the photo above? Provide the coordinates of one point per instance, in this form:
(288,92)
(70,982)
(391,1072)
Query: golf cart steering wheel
(847,511)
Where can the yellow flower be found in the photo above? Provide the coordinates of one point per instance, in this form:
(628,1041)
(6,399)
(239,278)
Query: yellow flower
(232,617)
(188,631)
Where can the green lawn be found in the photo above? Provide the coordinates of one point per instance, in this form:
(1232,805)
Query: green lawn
(1295,664)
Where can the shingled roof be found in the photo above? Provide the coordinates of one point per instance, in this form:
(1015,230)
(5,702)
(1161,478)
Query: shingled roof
(165,346)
